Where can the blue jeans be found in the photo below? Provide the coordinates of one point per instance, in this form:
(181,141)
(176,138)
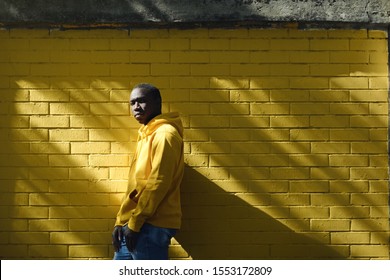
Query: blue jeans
(152,244)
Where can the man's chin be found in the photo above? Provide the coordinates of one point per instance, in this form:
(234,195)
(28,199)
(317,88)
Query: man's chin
(140,118)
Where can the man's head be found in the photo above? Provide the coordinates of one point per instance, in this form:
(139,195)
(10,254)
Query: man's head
(145,102)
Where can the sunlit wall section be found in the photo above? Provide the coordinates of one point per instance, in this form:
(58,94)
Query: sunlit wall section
(286,140)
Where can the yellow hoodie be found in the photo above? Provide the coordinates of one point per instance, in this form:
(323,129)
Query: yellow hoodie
(153,193)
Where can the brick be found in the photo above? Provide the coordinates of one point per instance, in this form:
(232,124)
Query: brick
(350,134)
(348,186)
(312,57)
(15,44)
(270,109)
(89,122)
(310,212)
(333,225)
(27,212)
(369,147)
(289,70)
(237,83)
(330,173)
(379,83)
(269,83)
(330,70)
(247,147)
(369,225)
(89,44)
(309,186)
(352,57)
(48,199)
(287,121)
(372,173)
(213,70)
(40,108)
(369,121)
(329,121)
(292,173)
(349,82)
(189,57)
(14,199)
(268,57)
(69,108)
(350,238)
(229,57)
(150,56)
(84,173)
(366,45)
(69,237)
(108,160)
(249,121)
(89,69)
(48,225)
(330,44)
(210,44)
(349,212)
(109,109)
(348,160)
(129,44)
(250,44)
(289,44)
(8,69)
(170,70)
(309,134)
(370,251)
(377,57)
(130,70)
(309,109)
(169,44)
(190,82)
(332,199)
(189,109)
(68,135)
(201,121)
(115,135)
(48,251)
(309,82)
(30,134)
(29,238)
(68,160)
(268,160)
(90,148)
(308,160)
(368,95)
(49,121)
(229,109)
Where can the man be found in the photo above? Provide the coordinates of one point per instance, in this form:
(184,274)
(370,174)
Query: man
(150,213)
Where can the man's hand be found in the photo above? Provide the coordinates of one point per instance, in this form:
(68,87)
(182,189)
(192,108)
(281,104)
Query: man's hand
(117,238)
(130,237)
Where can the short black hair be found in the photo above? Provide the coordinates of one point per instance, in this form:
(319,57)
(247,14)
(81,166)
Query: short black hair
(150,89)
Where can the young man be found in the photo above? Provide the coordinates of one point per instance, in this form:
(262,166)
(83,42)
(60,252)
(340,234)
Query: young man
(150,213)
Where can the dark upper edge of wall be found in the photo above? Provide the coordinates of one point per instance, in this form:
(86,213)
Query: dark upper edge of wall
(192,13)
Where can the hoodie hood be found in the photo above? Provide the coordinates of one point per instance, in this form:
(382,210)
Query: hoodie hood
(172,118)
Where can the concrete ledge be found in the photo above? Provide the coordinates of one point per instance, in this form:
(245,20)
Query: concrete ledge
(144,13)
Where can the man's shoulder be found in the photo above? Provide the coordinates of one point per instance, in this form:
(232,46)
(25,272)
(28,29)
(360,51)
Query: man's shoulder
(167,130)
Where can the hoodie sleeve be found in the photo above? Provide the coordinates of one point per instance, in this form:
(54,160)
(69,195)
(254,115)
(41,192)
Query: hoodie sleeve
(166,152)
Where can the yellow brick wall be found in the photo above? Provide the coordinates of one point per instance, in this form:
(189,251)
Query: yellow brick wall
(285,142)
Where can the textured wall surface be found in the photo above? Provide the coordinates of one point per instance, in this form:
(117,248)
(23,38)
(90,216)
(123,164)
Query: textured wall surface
(285,141)
(188,12)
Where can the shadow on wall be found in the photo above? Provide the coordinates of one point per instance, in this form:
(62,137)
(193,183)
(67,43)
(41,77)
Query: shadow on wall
(59,198)
(219,225)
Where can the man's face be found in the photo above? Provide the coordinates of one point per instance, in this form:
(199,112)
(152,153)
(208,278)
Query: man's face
(142,106)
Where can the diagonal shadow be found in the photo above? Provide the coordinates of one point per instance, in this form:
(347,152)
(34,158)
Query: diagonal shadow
(219,225)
